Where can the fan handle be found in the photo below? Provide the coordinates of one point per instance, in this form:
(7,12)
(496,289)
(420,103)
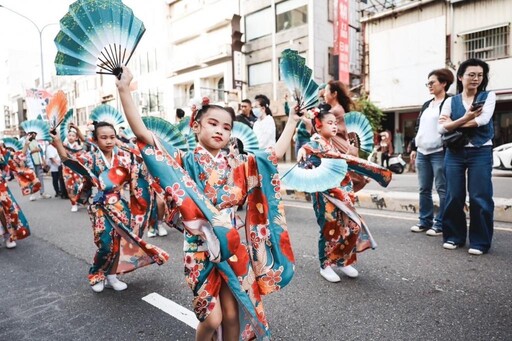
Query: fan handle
(118,72)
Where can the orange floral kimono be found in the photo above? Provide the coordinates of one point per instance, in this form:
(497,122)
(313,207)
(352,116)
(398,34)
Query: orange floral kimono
(343,233)
(73,181)
(16,223)
(207,191)
(118,224)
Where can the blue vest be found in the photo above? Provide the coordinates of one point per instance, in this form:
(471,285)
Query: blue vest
(478,135)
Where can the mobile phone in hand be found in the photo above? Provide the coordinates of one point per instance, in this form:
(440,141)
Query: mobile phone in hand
(477,105)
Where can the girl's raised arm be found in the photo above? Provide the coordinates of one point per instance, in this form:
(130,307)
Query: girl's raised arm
(130,110)
(285,139)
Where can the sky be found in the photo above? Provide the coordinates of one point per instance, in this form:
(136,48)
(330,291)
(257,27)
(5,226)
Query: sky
(18,34)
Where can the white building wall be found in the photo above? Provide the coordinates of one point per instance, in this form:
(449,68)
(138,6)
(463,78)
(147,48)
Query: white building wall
(403,49)
(322,40)
(477,16)
(398,72)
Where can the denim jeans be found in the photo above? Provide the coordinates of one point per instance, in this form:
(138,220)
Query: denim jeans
(478,164)
(430,168)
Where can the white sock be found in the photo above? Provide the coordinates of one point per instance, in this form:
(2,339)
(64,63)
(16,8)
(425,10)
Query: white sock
(112,278)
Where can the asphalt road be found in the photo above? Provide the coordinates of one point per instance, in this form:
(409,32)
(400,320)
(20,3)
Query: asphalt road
(409,288)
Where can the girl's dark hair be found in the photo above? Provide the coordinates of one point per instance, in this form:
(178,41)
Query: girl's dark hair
(473,62)
(98,125)
(342,94)
(323,110)
(264,104)
(443,76)
(204,109)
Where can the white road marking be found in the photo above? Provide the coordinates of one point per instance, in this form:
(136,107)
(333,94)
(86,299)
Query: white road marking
(366,213)
(172,308)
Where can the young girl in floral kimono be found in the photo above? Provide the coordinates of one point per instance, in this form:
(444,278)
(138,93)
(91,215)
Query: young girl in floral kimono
(116,222)
(226,276)
(72,180)
(342,231)
(14,225)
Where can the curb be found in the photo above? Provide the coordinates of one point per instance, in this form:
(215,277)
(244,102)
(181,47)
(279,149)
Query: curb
(405,202)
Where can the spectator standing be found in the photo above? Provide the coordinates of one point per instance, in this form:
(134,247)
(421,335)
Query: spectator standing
(265,126)
(461,112)
(428,154)
(246,115)
(53,161)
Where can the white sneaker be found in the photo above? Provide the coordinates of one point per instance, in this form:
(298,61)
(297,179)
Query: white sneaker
(151,233)
(329,274)
(418,228)
(32,198)
(98,287)
(350,271)
(162,232)
(471,251)
(10,244)
(113,283)
(450,246)
(74,208)
(46,196)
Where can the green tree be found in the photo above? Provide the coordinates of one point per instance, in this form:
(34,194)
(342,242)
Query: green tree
(370,110)
(372,113)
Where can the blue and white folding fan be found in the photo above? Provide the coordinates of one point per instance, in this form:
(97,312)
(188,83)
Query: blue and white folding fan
(246,135)
(128,132)
(358,124)
(184,127)
(96,36)
(165,132)
(41,128)
(327,175)
(298,79)
(107,113)
(12,143)
(64,126)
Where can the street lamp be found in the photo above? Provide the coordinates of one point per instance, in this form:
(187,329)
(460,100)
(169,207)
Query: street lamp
(40,31)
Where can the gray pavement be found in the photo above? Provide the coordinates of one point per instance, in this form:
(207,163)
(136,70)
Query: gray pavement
(409,288)
(401,195)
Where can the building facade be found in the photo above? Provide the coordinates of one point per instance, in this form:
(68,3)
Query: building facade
(407,39)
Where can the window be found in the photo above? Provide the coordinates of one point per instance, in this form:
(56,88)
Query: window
(332,66)
(256,24)
(191,92)
(260,73)
(487,45)
(220,90)
(291,13)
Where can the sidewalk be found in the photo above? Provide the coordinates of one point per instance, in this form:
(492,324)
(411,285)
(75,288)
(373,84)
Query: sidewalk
(402,195)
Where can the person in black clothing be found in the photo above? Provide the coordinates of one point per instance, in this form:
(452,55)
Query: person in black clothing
(246,116)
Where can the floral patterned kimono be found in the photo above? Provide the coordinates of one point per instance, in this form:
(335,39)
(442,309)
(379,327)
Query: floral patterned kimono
(343,232)
(73,181)
(207,190)
(16,223)
(118,224)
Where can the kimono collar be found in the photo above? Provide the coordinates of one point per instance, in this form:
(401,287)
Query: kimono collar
(114,157)
(322,140)
(219,158)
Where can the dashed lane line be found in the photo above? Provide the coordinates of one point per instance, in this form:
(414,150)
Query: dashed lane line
(172,308)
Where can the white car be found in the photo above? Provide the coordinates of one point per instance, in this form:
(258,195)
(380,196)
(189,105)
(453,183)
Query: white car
(502,157)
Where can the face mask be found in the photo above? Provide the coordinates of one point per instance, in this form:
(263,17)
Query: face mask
(256,112)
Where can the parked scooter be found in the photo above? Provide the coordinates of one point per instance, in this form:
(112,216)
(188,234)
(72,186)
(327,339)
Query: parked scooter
(396,163)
